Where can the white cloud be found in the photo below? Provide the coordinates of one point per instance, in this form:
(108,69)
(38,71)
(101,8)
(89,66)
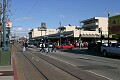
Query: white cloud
(61,16)
(20,31)
(118,13)
(29,29)
(26,18)
(17,29)
(20,28)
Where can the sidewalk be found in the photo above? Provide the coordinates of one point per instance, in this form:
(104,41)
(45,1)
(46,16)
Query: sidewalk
(6,72)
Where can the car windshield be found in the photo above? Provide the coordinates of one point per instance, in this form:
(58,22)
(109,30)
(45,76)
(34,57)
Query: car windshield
(50,43)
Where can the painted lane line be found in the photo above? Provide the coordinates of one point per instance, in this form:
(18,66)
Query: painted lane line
(58,59)
(98,74)
(75,66)
(36,59)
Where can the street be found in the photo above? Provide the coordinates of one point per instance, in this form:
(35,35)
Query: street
(67,65)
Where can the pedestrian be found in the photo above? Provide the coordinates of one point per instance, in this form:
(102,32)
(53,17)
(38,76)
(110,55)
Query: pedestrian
(23,47)
(42,48)
(53,47)
(26,45)
(46,47)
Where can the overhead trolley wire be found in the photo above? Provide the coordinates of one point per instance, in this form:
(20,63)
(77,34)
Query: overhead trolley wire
(32,7)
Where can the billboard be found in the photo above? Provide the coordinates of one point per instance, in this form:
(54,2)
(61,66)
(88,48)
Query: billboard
(114,24)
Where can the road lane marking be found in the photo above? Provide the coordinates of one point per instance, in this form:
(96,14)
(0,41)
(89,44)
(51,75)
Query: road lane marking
(59,59)
(75,66)
(35,58)
(98,74)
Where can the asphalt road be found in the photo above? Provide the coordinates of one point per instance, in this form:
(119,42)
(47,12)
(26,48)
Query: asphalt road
(77,64)
(105,67)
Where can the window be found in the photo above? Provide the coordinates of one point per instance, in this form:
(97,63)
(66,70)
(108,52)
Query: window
(113,44)
(118,45)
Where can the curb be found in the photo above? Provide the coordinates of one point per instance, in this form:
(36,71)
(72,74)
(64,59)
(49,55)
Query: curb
(14,65)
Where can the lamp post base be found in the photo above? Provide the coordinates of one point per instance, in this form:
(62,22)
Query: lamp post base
(4,48)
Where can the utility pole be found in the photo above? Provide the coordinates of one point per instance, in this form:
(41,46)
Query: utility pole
(4,26)
(108,28)
(0,23)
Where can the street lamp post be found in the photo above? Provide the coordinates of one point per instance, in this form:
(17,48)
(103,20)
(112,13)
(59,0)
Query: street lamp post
(108,28)
(4,26)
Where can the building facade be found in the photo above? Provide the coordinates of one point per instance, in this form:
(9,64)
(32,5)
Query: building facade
(39,32)
(92,29)
(92,26)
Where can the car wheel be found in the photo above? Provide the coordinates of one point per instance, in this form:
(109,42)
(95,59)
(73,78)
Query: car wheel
(105,53)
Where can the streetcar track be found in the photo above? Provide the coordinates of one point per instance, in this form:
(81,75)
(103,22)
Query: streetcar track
(75,76)
(61,69)
(22,69)
(51,64)
(34,65)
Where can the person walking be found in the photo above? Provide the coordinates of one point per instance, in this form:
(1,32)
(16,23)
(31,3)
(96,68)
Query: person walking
(26,45)
(46,47)
(53,47)
(23,50)
(42,48)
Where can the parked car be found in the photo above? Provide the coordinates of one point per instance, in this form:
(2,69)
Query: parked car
(30,45)
(50,44)
(65,46)
(113,49)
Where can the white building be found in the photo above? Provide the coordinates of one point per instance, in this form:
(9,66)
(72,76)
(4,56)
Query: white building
(37,32)
(87,32)
(91,26)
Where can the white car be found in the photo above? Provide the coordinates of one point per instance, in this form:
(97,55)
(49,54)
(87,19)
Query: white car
(113,49)
(30,45)
(50,45)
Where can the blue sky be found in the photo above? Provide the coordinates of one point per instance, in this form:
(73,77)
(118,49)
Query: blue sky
(28,14)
